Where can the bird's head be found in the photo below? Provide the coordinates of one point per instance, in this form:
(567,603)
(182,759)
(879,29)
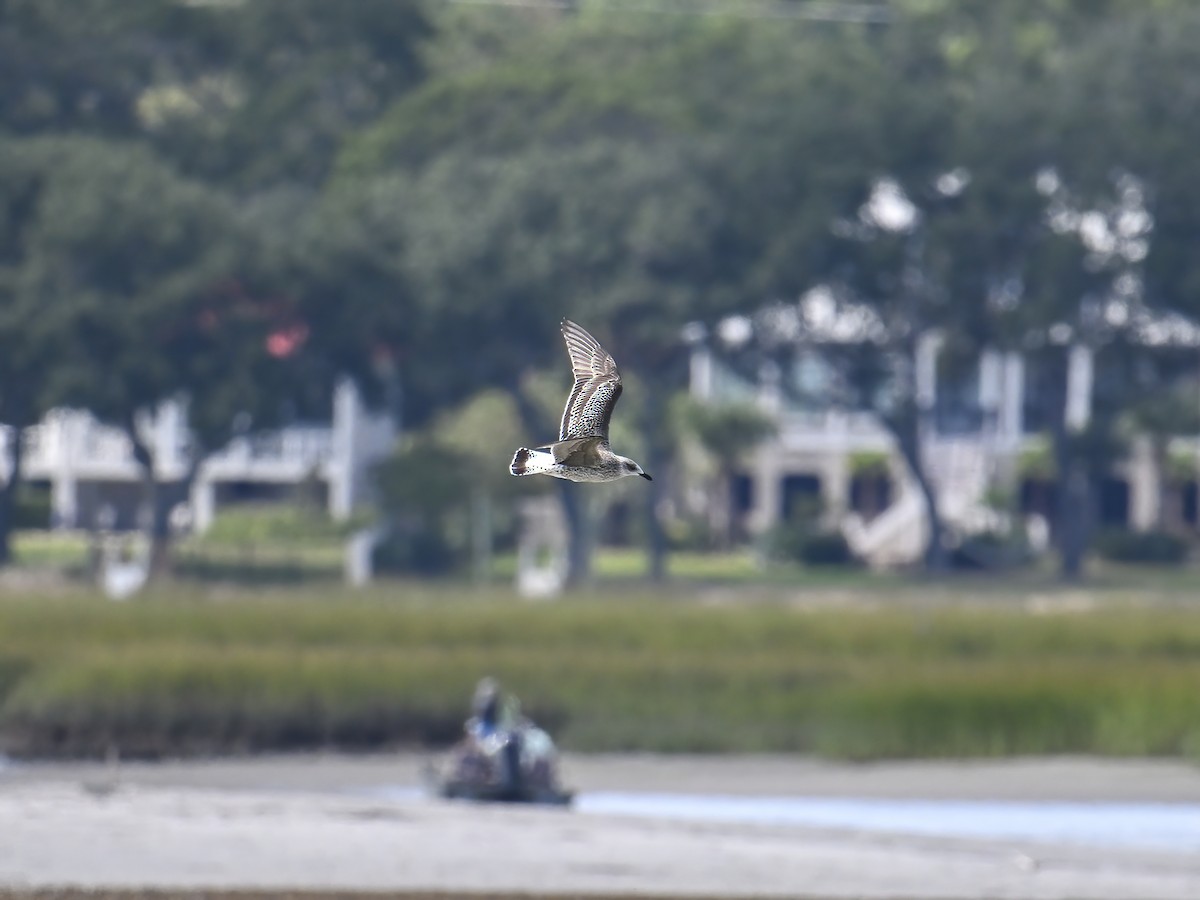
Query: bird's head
(629,467)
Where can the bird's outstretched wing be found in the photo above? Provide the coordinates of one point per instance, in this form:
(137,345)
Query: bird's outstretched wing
(597,386)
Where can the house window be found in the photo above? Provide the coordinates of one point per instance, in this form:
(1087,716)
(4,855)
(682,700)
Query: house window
(1190,497)
(741,494)
(1039,496)
(870,494)
(1114,502)
(800,495)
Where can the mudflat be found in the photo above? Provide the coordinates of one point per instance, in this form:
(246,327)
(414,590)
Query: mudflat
(318,823)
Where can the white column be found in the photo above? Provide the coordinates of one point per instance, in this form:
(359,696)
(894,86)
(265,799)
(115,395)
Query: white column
(770,395)
(346,413)
(991,384)
(1080,364)
(203,503)
(928,347)
(1144,493)
(169,424)
(766,509)
(1012,416)
(700,372)
(64,500)
(66,433)
(835,487)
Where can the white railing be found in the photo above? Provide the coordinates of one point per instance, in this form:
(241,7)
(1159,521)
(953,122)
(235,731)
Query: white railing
(961,471)
(72,443)
(896,535)
(100,446)
(832,430)
(299,447)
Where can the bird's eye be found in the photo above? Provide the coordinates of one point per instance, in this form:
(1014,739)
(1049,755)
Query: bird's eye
(630,466)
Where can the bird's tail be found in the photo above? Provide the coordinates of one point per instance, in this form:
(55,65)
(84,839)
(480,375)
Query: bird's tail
(530,462)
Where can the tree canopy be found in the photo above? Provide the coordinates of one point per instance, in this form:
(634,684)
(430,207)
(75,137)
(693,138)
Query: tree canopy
(415,194)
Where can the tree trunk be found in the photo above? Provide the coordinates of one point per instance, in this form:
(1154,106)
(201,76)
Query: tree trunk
(725,513)
(155,499)
(657,461)
(574,507)
(8,494)
(1074,513)
(907,433)
(161,498)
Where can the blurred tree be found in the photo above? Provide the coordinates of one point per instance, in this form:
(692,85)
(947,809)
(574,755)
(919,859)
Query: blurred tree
(336,256)
(883,178)
(262,93)
(30,336)
(67,65)
(1071,235)
(149,277)
(438,490)
(728,433)
(247,93)
(614,190)
(1168,407)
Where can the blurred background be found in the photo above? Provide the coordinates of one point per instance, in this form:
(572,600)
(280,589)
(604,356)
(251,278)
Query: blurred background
(906,297)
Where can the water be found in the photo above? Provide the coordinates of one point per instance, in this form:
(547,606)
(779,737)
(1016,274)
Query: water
(1173,827)
(1164,826)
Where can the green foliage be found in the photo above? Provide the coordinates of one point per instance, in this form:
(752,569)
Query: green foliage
(416,550)
(1181,467)
(1037,462)
(424,478)
(275,523)
(422,491)
(727,431)
(995,551)
(805,539)
(1143,547)
(146,276)
(32,508)
(826,548)
(172,165)
(180,674)
(869,463)
(812,546)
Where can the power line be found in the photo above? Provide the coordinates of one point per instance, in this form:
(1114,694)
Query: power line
(860,13)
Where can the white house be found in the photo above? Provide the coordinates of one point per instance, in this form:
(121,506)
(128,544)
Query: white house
(89,466)
(980,429)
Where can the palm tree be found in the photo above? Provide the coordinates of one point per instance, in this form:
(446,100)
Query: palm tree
(727,432)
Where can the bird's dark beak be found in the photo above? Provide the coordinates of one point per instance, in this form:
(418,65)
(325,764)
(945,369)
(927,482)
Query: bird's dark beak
(644,475)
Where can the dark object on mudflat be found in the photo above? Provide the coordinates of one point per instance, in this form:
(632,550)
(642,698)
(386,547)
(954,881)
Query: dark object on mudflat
(517,765)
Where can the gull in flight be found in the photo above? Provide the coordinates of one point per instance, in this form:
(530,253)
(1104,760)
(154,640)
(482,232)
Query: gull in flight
(581,452)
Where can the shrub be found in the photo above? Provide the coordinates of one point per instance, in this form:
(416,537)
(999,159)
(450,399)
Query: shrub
(795,542)
(32,509)
(416,552)
(826,548)
(278,523)
(993,551)
(1142,547)
(691,533)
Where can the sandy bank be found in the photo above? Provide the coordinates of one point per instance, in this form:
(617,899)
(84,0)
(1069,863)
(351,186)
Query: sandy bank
(296,823)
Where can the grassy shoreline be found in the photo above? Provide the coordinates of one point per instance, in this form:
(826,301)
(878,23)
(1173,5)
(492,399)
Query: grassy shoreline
(188,671)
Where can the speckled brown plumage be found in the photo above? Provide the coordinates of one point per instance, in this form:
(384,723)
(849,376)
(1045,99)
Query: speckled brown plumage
(581,452)
(597,386)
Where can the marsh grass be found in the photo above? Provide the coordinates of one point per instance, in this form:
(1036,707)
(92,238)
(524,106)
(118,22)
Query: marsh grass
(188,671)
